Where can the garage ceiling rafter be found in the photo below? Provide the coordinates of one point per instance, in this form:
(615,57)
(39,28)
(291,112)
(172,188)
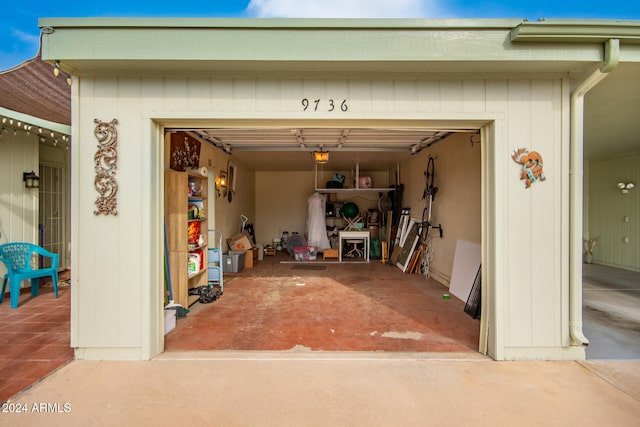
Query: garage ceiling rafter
(290,147)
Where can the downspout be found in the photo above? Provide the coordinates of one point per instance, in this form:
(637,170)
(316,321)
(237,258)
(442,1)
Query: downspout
(612,57)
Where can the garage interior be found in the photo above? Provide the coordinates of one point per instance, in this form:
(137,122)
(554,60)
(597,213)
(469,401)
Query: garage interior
(321,304)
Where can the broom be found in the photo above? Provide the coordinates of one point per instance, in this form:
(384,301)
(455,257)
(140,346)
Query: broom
(180,310)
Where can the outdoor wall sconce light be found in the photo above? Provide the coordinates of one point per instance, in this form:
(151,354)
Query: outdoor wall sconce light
(31,180)
(221,184)
(625,187)
(321,157)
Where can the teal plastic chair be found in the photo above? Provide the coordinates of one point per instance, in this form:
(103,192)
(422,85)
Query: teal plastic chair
(18,257)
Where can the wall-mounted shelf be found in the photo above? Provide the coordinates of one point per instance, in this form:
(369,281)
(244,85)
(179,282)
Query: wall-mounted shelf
(349,190)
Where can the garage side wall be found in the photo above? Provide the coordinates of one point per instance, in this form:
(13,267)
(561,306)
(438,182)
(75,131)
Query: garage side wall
(457,203)
(113,279)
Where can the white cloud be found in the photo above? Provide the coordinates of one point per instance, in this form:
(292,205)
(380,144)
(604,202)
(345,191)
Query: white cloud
(344,8)
(26,38)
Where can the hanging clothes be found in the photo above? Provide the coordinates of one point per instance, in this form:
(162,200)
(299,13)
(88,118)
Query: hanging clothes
(316,227)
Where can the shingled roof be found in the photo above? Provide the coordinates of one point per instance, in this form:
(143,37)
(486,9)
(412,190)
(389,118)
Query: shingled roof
(32,88)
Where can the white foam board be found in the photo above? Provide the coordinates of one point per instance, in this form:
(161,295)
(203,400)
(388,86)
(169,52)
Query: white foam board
(465,267)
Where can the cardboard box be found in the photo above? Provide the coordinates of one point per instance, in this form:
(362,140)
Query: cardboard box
(330,253)
(251,258)
(240,242)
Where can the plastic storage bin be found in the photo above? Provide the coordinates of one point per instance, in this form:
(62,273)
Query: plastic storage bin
(305,253)
(233,261)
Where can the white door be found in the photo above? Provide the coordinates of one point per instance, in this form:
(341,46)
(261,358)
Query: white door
(51,216)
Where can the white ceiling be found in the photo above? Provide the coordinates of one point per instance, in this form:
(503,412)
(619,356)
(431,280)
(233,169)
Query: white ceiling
(612,114)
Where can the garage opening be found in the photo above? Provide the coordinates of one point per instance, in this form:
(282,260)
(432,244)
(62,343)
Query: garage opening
(414,192)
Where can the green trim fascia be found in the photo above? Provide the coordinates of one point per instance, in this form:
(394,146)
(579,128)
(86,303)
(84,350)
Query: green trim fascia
(35,121)
(280,23)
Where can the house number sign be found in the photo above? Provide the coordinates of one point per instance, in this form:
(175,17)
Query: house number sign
(321,104)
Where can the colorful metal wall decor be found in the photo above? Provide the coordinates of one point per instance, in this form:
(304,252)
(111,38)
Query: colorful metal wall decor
(106,160)
(531,162)
(185,152)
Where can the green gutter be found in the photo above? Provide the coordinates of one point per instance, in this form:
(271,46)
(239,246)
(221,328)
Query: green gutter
(577,31)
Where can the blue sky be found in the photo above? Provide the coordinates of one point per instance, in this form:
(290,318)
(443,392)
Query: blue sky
(19,34)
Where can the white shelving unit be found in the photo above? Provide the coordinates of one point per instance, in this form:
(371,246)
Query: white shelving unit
(177,203)
(349,190)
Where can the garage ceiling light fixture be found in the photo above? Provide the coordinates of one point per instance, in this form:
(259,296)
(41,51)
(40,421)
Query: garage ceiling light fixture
(321,157)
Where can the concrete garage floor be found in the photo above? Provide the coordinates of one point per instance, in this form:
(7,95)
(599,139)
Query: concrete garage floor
(327,306)
(611,314)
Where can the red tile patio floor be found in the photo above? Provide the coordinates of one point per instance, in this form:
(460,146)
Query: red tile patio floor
(35,337)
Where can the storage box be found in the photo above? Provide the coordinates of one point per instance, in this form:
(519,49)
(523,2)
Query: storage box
(330,253)
(169,320)
(233,261)
(240,242)
(251,258)
(305,253)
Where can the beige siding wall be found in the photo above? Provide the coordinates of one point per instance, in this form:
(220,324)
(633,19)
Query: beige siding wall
(118,258)
(613,216)
(18,205)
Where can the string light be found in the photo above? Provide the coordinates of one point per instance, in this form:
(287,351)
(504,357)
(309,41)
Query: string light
(56,68)
(9,125)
